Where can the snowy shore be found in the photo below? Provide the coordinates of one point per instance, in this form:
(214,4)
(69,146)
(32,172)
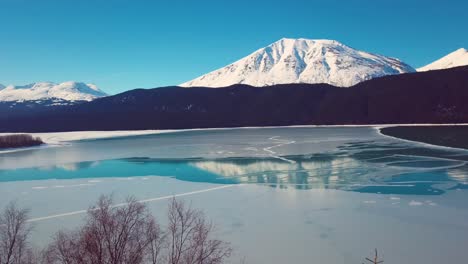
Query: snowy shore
(61,138)
(57,138)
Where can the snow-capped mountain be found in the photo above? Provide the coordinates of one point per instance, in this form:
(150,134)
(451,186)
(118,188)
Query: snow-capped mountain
(68,91)
(303,61)
(454,59)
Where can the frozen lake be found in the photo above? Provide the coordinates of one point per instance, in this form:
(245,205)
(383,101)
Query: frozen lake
(279,195)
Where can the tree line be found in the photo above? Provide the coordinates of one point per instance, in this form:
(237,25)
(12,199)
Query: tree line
(120,234)
(125,234)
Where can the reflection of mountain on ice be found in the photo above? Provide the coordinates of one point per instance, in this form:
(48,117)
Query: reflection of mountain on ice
(73,166)
(369,171)
(335,173)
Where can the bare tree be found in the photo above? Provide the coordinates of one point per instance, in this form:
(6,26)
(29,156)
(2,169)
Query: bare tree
(117,234)
(129,234)
(157,239)
(14,233)
(114,235)
(375,260)
(66,248)
(189,236)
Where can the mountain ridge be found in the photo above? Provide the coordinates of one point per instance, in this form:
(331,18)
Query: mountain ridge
(65,91)
(303,61)
(456,58)
(394,99)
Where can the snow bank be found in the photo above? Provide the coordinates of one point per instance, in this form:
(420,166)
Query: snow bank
(57,138)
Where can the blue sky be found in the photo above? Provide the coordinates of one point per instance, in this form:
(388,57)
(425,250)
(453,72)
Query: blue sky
(126,44)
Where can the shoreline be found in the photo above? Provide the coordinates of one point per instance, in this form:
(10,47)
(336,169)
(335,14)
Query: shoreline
(64,136)
(442,136)
(56,139)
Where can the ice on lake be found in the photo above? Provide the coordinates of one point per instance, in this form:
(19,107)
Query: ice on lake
(279,195)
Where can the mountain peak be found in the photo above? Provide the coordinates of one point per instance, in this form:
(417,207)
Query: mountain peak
(69,91)
(326,41)
(302,43)
(303,61)
(456,58)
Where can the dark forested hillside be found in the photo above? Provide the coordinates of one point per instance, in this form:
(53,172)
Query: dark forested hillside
(425,97)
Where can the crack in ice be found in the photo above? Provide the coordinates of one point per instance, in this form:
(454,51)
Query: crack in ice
(273,154)
(139,201)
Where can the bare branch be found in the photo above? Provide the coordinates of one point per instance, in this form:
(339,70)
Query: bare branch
(375,260)
(191,240)
(14,233)
(118,234)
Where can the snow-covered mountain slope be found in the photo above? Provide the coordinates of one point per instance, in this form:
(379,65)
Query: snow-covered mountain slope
(303,61)
(68,91)
(454,59)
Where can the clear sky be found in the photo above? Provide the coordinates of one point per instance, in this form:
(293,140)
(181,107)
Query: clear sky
(125,44)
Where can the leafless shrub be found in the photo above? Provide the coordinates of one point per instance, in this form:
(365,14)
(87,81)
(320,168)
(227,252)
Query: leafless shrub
(14,233)
(129,234)
(124,234)
(66,248)
(114,235)
(20,140)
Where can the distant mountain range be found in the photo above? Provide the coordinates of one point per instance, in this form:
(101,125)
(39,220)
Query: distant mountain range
(437,96)
(303,61)
(48,91)
(290,82)
(286,61)
(454,59)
